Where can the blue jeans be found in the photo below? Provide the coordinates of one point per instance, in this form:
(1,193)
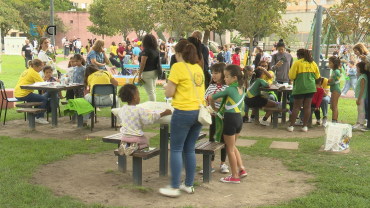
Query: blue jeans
(32,97)
(349,83)
(48,96)
(185,130)
(324,105)
(78,50)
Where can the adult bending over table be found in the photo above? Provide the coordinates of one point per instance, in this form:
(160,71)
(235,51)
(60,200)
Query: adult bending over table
(149,60)
(185,127)
(303,73)
(30,76)
(95,76)
(97,56)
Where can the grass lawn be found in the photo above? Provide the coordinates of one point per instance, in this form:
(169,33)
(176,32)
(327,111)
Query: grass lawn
(341,180)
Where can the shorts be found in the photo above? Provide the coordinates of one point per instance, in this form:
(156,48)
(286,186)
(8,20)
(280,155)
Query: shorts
(233,124)
(303,96)
(255,102)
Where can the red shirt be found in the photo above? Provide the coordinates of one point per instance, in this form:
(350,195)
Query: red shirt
(121,49)
(211,53)
(236,59)
(317,97)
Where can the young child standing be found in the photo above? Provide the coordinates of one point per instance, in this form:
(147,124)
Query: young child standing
(217,85)
(361,94)
(254,98)
(69,75)
(78,75)
(229,114)
(220,55)
(334,81)
(352,78)
(248,72)
(236,57)
(134,119)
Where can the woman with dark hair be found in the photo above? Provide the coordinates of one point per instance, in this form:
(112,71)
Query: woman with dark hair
(185,85)
(163,53)
(46,56)
(149,64)
(303,73)
(259,53)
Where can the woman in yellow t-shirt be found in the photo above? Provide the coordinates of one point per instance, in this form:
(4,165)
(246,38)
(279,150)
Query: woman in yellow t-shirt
(185,127)
(95,76)
(113,49)
(28,77)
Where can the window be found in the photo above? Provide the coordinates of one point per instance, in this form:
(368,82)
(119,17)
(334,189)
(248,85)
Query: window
(83,6)
(71,21)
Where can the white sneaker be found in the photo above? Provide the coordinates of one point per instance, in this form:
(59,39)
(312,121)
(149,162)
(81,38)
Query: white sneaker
(324,122)
(357,126)
(170,192)
(41,121)
(212,171)
(318,122)
(364,129)
(265,123)
(187,189)
(299,122)
(251,120)
(224,168)
(304,129)
(290,128)
(122,148)
(131,149)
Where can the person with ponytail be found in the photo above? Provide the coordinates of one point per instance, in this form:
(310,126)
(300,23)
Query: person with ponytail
(28,77)
(229,121)
(46,56)
(185,85)
(334,81)
(281,63)
(304,74)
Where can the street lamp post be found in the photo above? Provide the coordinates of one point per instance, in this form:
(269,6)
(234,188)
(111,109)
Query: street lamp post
(52,41)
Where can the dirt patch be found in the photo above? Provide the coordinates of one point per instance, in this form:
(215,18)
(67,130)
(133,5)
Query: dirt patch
(95,179)
(66,129)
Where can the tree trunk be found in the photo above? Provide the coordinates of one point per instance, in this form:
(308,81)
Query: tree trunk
(102,36)
(220,37)
(250,52)
(206,37)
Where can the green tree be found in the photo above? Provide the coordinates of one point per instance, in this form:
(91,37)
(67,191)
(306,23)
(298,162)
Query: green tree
(181,16)
(100,23)
(266,19)
(117,18)
(352,19)
(10,19)
(59,5)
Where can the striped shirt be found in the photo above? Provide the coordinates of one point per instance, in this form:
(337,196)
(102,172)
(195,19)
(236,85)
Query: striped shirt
(213,89)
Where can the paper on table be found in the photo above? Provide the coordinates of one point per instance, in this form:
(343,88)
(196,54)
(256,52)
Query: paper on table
(40,83)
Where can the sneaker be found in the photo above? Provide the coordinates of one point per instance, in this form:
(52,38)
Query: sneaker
(290,128)
(212,171)
(242,173)
(122,148)
(187,189)
(318,122)
(230,179)
(98,109)
(170,192)
(131,149)
(299,122)
(304,129)
(251,120)
(364,129)
(41,121)
(245,119)
(356,126)
(324,122)
(265,123)
(224,168)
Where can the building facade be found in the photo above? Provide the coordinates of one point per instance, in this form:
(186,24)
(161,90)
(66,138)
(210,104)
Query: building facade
(309,5)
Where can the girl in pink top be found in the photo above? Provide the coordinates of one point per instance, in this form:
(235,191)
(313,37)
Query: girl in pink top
(134,119)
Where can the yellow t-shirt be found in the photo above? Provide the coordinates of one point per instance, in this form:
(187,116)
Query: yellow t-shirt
(82,50)
(99,77)
(113,49)
(185,97)
(28,77)
(325,85)
(271,80)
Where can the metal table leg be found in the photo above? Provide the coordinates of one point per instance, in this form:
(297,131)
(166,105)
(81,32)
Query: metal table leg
(163,157)
(80,121)
(256,115)
(207,173)
(54,106)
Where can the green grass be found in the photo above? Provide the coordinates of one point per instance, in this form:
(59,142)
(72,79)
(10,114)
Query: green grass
(340,180)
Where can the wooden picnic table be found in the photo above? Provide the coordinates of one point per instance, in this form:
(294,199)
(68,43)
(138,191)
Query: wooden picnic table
(278,88)
(54,89)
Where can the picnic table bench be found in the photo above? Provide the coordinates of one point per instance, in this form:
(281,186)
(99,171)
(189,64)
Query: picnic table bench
(27,105)
(31,115)
(275,114)
(207,149)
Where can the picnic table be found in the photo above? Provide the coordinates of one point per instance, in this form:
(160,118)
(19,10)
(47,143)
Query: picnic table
(53,89)
(164,129)
(279,88)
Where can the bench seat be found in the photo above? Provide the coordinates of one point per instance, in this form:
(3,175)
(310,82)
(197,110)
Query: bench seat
(207,149)
(275,114)
(28,105)
(31,115)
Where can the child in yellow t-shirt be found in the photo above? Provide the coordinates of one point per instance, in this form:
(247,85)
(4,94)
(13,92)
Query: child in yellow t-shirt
(82,50)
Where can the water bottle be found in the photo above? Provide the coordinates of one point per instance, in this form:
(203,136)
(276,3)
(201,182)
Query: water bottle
(62,80)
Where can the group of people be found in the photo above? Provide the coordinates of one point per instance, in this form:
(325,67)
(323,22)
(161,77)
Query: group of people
(75,45)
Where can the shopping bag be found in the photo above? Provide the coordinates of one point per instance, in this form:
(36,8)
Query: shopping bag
(337,136)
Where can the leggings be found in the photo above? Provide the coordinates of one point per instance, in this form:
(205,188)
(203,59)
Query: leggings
(212,132)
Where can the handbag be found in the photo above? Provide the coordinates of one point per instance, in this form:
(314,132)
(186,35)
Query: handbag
(159,68)
(204,116)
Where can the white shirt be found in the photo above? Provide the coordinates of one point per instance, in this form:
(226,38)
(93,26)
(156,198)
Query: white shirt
(266,55)
(170,53)
(78,44)
(63,41)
